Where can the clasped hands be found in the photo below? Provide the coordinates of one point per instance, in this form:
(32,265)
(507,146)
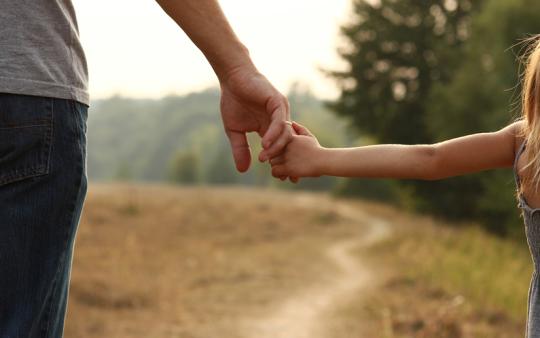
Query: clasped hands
(249,103)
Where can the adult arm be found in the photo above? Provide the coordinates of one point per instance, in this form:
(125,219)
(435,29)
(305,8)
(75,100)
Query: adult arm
(249,103)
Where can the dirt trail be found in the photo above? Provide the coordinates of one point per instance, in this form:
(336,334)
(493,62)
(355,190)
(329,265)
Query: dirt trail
(303,315)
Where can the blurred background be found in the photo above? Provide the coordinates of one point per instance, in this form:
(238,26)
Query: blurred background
(175,243)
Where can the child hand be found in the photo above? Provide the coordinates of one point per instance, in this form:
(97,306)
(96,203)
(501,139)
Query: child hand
(301,157)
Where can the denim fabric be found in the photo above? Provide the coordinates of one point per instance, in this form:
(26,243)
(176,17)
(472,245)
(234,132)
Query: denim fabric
(532,230)
(42,190)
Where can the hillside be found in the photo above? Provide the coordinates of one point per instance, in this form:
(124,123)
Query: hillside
(140,139)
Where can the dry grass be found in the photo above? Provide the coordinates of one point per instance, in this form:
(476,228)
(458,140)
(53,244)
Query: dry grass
(443,281)
(155,261)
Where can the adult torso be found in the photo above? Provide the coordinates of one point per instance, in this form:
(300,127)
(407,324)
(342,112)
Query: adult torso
(40,50)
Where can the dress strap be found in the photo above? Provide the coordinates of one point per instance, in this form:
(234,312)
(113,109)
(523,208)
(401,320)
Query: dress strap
(519,152)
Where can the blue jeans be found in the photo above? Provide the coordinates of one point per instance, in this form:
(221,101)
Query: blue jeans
(42,190)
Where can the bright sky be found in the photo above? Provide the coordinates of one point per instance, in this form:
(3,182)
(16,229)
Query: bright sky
(134,49)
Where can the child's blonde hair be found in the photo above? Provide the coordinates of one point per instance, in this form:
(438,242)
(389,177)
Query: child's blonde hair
(531,112)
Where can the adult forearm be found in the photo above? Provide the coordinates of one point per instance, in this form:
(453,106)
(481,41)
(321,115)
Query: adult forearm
(206,25)
(380,161)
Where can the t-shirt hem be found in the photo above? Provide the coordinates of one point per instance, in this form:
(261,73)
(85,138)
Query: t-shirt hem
(45,89)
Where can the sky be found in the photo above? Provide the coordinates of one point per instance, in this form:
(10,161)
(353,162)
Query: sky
(134,49)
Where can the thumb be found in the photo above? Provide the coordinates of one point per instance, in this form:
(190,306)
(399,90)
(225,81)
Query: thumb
(240,150)
(300,129)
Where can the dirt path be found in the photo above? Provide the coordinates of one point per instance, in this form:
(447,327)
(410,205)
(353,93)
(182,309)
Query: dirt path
(303,315)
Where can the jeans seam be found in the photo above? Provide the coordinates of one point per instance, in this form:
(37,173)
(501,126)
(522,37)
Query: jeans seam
(62,260)
(47,314)
(50,138)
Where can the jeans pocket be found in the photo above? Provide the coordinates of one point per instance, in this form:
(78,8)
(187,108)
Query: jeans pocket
(26,126)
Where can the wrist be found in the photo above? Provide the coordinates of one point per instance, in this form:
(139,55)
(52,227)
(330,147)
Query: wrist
(238,62)
(323,161)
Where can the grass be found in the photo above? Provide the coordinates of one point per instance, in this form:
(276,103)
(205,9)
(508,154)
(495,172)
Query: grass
(448,281)
(490,271)
(156,261)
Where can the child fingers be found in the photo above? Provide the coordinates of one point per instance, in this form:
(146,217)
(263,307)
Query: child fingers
(277,147)
(277,160)
(279,171)
(300,129)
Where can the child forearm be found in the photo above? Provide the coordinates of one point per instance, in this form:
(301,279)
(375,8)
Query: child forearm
(380,161)
(304,157)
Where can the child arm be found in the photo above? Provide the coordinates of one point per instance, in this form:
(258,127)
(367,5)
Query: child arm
(463,155)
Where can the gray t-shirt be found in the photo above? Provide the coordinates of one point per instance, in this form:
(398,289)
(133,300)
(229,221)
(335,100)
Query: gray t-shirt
(40,50)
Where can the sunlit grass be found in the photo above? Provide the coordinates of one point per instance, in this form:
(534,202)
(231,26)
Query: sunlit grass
(490,271)
(457,280)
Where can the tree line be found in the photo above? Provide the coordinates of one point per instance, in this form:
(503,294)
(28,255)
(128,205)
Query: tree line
(426,71)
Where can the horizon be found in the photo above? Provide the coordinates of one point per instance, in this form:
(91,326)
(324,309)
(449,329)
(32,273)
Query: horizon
(304,90)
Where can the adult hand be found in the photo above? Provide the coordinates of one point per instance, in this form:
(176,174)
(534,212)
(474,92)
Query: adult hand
(249,103)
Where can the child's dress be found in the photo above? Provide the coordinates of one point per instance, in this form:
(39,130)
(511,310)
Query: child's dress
(531,217)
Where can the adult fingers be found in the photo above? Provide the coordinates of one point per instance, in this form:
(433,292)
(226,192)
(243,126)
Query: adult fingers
(277,147)
(279,114)
(240,150)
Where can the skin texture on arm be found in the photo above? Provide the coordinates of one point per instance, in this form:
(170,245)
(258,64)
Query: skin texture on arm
(249,103)
(304,157)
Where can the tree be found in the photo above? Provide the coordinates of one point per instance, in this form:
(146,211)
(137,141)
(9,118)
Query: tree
(185,168)
(222,169)
(398,50)
(462,79)
(484,96)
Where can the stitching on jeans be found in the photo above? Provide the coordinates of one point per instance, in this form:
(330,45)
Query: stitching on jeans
(27,173)
(19,126)
(50,138)
(47,315)
(63,259)
(48,306)
(19,174)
